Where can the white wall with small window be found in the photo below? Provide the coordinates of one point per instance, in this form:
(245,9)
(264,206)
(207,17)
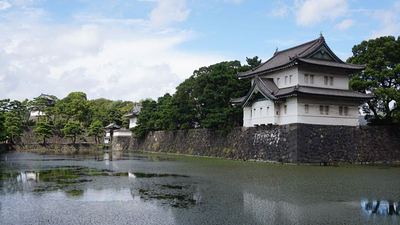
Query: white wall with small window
(318,111)
(323,80)
(286,78)
(288,111)
(260,112)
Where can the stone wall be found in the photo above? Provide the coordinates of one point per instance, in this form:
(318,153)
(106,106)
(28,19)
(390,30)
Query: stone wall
(294,143)
(81,148)
(4,148)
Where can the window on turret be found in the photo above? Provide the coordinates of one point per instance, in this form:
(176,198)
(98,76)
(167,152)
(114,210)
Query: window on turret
(277,81)
(331,81)
(327,110)
(285,109)
(306,108)
(286,79)
(306,78)
(326,80)
(346,110)
(290,79)
(267,110)
(321,109)
(311,79)
(340,110)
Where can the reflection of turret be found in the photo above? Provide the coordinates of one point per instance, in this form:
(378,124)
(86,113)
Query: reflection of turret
(27,176)
(380,207)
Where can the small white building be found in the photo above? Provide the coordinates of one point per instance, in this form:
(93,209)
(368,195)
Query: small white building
(307,83)
(133,115)
(43,100)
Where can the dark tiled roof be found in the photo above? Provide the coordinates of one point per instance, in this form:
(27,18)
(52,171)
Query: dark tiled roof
(265,86)
(289,57)
(332,64)
(295,90)
(270,91)
(112,126)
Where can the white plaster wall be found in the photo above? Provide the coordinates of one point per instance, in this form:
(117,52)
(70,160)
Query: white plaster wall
(37,113)
(296,113)
(281,74)
(339,81)
(132,122)
(334,118)
(260,112)
(291,111)
(122,133)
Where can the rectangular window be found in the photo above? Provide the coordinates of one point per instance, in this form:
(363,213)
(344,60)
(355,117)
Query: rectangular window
(290,79)
(267,110)
(306,78)
(286,79)
(325,80)
(285,108)
(327,110)
(306,108)
(331,81)
(346,110)
(277,81)
(321,109)
(260,112)
(311,79)
(340,110)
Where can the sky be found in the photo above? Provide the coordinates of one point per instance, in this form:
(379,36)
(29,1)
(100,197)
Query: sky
(137,49)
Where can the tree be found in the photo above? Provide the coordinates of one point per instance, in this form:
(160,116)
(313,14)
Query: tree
(73,107)
(13,126)
(146,118)
(96,129)
(43,130)
(381,77)
(72,129)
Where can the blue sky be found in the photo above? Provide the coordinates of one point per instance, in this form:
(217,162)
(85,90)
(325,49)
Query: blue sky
(133,49)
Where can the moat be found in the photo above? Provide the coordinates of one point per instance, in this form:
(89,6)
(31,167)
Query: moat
(162,189)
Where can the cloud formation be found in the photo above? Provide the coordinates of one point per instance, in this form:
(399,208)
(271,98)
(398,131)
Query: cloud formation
(4,5)
(311,12)
(128,59)
(345,24)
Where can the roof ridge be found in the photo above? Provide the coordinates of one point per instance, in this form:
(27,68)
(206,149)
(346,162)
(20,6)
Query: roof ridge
(278,52)
(306,43)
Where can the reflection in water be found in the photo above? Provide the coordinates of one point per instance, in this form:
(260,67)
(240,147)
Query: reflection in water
(28,176)
(380,207)
(273,212)
(168,189)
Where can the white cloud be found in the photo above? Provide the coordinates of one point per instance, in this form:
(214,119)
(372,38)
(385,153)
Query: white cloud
(311,12)
(389,21)
(4,5)
(281,10)
(104,57)
(168,12)
(344,24)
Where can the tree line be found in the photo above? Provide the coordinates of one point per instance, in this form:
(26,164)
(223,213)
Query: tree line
(202,100)
(70,117)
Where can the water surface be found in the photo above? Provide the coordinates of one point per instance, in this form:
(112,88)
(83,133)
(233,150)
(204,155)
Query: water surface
(159,189)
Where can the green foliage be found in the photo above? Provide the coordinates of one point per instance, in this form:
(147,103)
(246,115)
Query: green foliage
(381,77)
(108,111)
(73,107)
(201,101)
(13,126)
(146,119)
(72,129)
(43,130)
(96,129)
(13,117)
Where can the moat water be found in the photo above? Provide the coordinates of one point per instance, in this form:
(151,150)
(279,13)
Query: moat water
(159,189)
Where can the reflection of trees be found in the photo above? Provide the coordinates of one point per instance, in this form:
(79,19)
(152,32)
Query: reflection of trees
(381,207)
